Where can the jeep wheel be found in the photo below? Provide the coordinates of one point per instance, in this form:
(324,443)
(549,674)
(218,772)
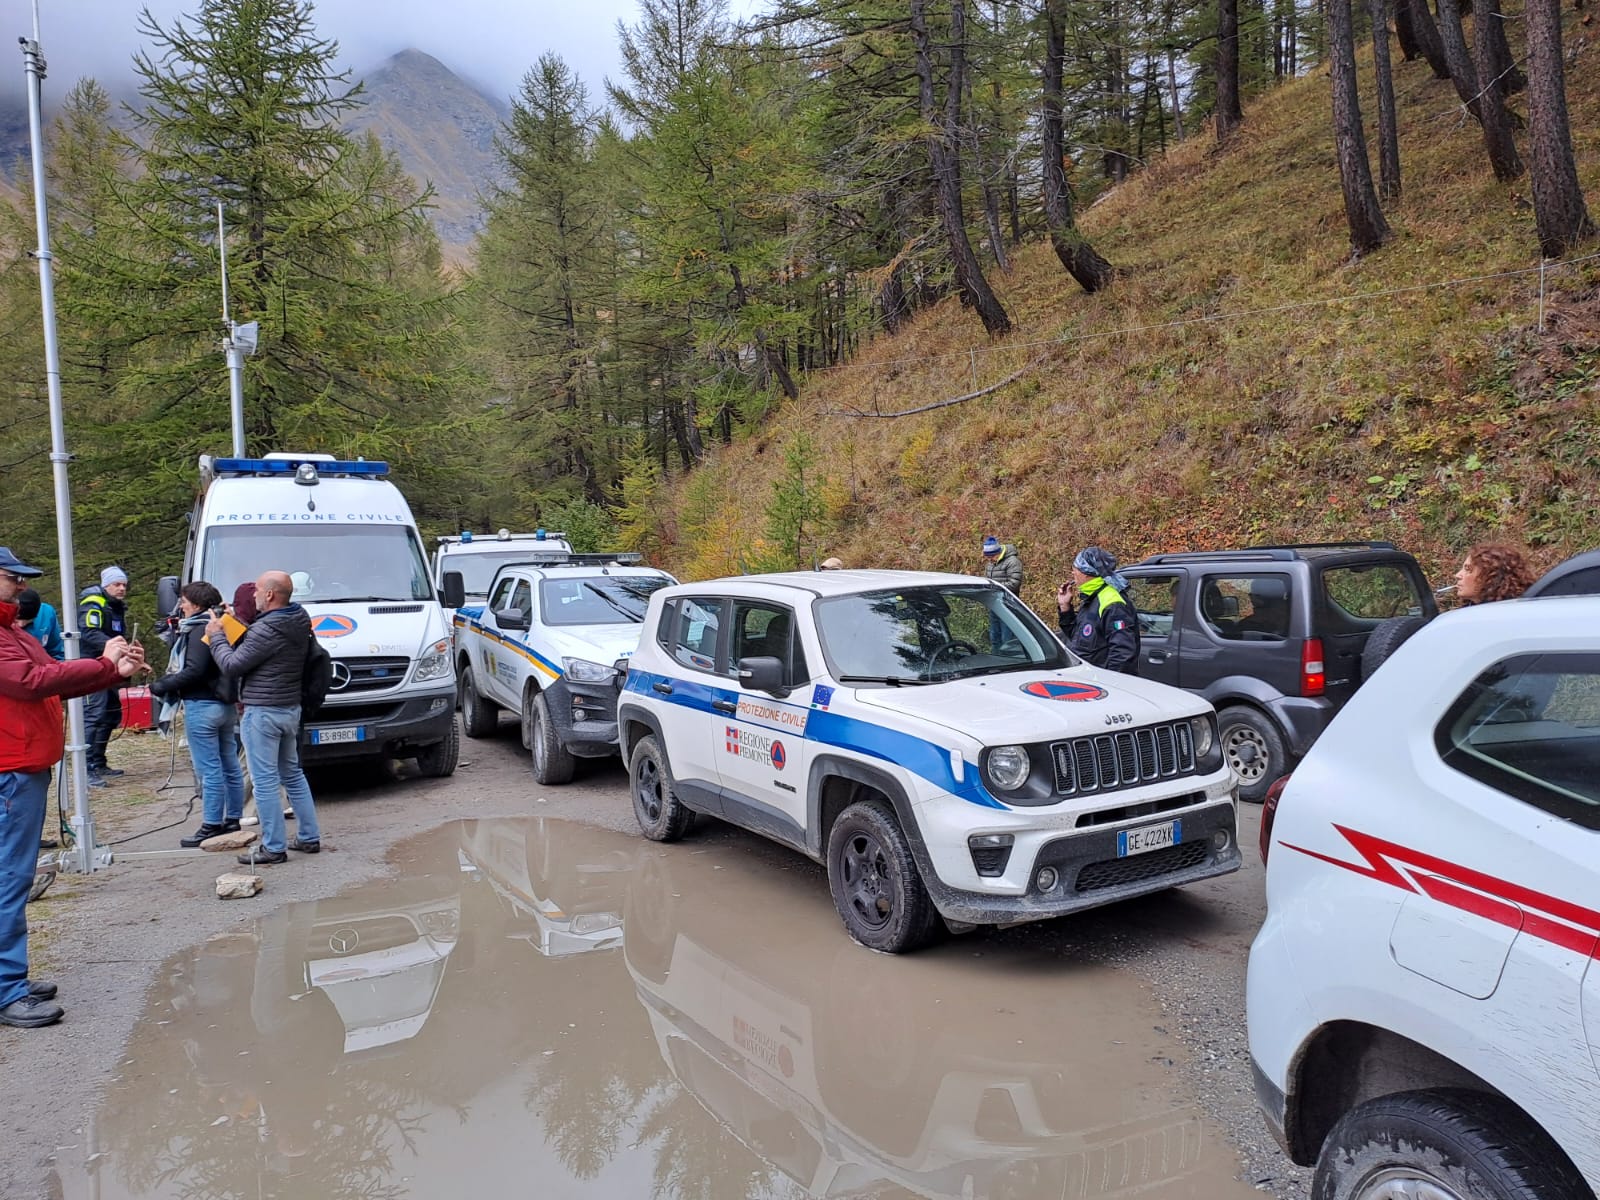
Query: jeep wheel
(1444,1144)
(479,717)
(552,764)
(438,761)
(875,883)
(662,816)
(1253,747)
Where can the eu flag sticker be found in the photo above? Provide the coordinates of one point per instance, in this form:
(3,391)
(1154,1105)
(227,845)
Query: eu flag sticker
(821,696)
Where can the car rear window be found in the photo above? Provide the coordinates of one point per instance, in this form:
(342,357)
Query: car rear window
(1360,595)
(1530,727)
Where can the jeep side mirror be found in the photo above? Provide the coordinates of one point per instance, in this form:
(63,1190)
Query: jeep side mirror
(763,675)
(453,592)
(511,618)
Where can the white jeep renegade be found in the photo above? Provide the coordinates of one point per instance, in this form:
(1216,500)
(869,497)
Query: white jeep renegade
(1424,1003)
(928,740)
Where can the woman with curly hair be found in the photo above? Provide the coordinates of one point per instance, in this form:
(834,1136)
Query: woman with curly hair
(1493,571)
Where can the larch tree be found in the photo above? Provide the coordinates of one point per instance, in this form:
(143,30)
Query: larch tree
(1388,127)
(1559,210)
(1077,255)
(1229,112)
(1368,229)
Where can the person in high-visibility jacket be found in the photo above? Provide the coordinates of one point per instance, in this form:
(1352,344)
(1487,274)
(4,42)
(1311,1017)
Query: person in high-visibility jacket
(1101,626)
(102,616)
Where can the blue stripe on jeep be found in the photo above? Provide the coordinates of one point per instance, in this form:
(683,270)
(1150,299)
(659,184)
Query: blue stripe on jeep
(921,757)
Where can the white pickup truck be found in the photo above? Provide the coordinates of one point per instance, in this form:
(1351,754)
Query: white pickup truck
(552,645)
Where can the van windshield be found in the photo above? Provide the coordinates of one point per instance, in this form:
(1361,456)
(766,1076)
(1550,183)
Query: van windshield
(478,568)
(328,563)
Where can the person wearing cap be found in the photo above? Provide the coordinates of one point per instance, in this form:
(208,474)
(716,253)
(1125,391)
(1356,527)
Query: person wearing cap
(1101,626)
(32,686)
(102,615)
(40,619)
(1001,564)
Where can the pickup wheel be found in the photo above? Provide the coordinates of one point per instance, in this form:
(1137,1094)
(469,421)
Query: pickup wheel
(552,764)
(438,761)
(875,883)
(662,816)
(1443,1144)
(479,717)
(1253,747)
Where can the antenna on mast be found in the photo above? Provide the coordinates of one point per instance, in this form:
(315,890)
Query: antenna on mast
(238,341)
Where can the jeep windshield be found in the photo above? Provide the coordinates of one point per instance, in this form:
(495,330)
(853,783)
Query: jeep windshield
(930,634)
(598,600)
(328,563)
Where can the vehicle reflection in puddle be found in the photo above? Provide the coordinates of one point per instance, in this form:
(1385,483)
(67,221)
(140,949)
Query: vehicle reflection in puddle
(451,1032)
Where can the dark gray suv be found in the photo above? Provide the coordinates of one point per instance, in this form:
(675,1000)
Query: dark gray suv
(1273,636)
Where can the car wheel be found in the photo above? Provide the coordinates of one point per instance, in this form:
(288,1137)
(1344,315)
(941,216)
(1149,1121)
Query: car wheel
(1386,637)
(479,717)
(1253,747)
(875,883)
(1444,1144)
(552,763)
(662,816)
(438,761)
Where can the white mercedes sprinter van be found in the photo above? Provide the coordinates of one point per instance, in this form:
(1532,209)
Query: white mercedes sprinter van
(346,537)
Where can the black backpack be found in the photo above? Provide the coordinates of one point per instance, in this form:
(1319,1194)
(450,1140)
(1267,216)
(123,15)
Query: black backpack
(316,679)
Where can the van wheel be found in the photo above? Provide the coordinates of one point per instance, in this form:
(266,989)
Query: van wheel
(875,883)
(438,761)
(552,764)
(662,816)
(1253,747)
(1443,1144)
(479,717)
(1386,637)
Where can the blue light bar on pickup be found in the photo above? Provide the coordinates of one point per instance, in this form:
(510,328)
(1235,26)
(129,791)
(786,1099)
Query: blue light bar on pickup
(288,466)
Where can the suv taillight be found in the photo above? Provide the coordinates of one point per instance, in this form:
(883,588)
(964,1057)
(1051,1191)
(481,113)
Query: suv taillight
(1269,814)
(1313,679)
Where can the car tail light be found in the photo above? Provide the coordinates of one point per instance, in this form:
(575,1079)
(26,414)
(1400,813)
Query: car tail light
(1313,678)
(1269,814)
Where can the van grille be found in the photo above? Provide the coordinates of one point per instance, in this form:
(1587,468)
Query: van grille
(369,674)
(379,610)
(1109,762)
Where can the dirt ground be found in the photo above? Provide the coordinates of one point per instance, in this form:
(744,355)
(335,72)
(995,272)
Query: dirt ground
(103,937)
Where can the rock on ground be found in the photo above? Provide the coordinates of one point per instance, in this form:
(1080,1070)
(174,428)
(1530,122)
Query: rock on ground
(230,841)
(234,886)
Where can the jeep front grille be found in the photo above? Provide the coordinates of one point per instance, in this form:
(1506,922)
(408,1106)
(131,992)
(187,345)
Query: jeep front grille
(1109,762)
(1119,872)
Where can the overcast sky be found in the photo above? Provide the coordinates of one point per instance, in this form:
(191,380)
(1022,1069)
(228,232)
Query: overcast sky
(490,42)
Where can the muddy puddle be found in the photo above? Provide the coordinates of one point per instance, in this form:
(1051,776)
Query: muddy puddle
(537,1008)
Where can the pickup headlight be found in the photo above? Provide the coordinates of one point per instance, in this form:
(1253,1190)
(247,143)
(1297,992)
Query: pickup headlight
(434,662)
(1007,767)
(595,922)
(581,670)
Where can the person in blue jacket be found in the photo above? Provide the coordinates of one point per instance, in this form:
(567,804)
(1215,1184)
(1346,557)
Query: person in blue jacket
(40,619)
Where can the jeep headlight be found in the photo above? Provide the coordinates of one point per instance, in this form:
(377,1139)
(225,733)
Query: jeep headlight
(581,670)
(594,922)
(1205,737)
(1007,767)
(434,663)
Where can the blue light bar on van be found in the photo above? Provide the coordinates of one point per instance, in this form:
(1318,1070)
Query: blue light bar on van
(288,466)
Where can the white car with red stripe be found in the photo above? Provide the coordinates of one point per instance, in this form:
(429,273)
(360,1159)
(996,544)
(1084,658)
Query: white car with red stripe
(1424,1001)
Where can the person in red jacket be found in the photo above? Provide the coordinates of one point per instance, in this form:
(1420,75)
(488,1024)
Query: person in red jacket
(32,686)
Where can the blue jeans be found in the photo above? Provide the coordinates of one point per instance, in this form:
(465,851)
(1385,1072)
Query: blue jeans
(24,797)
(271,743)
(210,725)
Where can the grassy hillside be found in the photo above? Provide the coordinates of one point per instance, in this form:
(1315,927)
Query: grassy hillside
(1435,416)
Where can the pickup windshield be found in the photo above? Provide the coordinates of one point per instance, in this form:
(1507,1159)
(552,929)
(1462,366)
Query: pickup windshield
(598,600)
(934,633)
(328,563)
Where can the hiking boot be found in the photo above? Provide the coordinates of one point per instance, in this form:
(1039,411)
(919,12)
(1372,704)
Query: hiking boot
(200,835)
(231,825)
(30,1013)
(40,990)
(112,772)
(41,884)
(306,847)
(262,858)
(96,782)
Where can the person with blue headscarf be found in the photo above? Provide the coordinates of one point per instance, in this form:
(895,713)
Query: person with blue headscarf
(1100,625)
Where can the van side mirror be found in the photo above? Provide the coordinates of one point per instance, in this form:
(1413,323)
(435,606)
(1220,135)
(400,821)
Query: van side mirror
(763,675)
(453,592)
(167,595)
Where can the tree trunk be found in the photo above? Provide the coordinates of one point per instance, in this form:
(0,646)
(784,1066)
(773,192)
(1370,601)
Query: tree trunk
(1079,258)
(1229,115)
(1488,106)
(946,166)
(1368,229)
(1427,35)
(1404,34)
(1492,112)
(1388,129)
(1511,80)
(1558,207)
(1458,60)
(1172,86)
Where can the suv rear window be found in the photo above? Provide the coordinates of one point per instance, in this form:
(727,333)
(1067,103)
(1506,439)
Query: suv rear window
(1530,727)
(1362,594)
(1250,608)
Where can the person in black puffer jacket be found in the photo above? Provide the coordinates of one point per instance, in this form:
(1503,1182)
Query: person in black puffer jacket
(209,715)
